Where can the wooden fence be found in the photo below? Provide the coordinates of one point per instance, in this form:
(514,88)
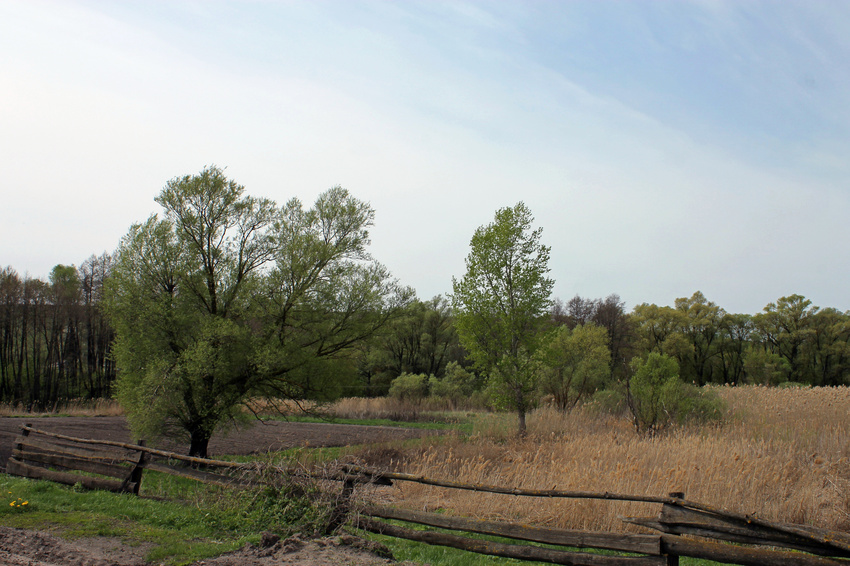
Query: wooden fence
(684,528)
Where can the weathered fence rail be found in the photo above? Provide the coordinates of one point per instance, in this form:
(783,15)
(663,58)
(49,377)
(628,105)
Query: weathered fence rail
(119,466)
(678,516)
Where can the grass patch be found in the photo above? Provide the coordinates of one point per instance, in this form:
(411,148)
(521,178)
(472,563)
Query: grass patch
(206,522)
(433,422)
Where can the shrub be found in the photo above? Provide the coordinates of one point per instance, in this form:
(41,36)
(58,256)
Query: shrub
(657,397)
(458,385)
(410,387)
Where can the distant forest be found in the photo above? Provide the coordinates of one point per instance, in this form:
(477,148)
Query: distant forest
(55,340)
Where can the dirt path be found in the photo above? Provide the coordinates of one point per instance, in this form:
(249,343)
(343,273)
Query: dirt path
(257,439)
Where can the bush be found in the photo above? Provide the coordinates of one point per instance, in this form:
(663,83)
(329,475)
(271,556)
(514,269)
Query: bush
(410,387)
(658,398)
(457,386)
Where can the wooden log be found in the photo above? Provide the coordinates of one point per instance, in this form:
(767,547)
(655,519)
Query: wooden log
(363,476)
(681,520)
(521,552)
(200,475)
(552,493)
(17,468)
(153,451)
(30,444)
(833,539)
(642,544)
(72,463)
(731,554)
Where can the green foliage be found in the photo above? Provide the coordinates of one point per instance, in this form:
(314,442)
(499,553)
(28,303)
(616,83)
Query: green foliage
(612,401)
(229,297)
(575,363)
(205,522)
(764,367)
(457,385)
(653,391)
(410,387)
(499,305)
(513,385)
(658,398)
(421,340)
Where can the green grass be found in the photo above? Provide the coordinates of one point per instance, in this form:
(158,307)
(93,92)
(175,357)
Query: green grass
(450,423)
(179,532)
(197,522)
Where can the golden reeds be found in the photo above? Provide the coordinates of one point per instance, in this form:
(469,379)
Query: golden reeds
(782,454)
(74,407)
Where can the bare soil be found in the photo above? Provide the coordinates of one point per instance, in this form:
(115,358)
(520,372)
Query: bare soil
(35,548)
(258,439)
(20,547)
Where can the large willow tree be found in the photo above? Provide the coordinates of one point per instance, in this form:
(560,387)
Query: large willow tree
(228,298)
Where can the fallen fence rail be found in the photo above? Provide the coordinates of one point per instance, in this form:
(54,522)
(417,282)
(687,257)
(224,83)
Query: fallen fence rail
(122,464)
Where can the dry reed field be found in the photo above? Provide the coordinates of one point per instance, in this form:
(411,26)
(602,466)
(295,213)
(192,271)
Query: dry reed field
(781,453)
(77,407)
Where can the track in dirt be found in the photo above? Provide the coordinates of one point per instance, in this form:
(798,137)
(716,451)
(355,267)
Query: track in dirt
(257,439)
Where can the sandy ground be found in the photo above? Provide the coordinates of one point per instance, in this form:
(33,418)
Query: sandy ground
(35,548)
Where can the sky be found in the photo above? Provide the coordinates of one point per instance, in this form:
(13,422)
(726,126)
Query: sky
(663,147)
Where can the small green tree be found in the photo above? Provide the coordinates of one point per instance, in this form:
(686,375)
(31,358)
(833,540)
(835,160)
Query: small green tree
(657,397)
(457,385)
(652,390)
(410,387)
(575,363)
(500,306)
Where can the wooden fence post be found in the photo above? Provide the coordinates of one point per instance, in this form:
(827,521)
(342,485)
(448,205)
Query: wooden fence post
(134,480)
(673,560)
(340,512)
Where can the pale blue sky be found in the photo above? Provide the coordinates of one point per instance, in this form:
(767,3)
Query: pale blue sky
(664,147)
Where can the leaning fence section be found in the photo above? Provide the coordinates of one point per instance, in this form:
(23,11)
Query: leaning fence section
(682,527)
(94,465)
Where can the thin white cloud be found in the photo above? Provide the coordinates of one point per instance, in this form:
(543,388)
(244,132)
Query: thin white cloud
(436,114)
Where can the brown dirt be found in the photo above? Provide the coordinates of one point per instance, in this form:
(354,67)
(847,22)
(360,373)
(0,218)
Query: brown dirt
(31,548)
(19,547)
(257,439)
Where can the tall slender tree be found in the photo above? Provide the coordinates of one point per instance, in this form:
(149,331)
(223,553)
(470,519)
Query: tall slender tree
(500,306)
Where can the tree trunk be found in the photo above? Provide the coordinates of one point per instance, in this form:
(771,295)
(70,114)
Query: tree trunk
(521,431)
(199,442)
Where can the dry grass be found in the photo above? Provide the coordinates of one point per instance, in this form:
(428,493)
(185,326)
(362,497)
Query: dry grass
(395,409)
(782,454)
(75,408)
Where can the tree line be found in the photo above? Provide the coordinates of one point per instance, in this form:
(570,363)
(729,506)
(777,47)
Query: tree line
(55,340)
(227,298)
